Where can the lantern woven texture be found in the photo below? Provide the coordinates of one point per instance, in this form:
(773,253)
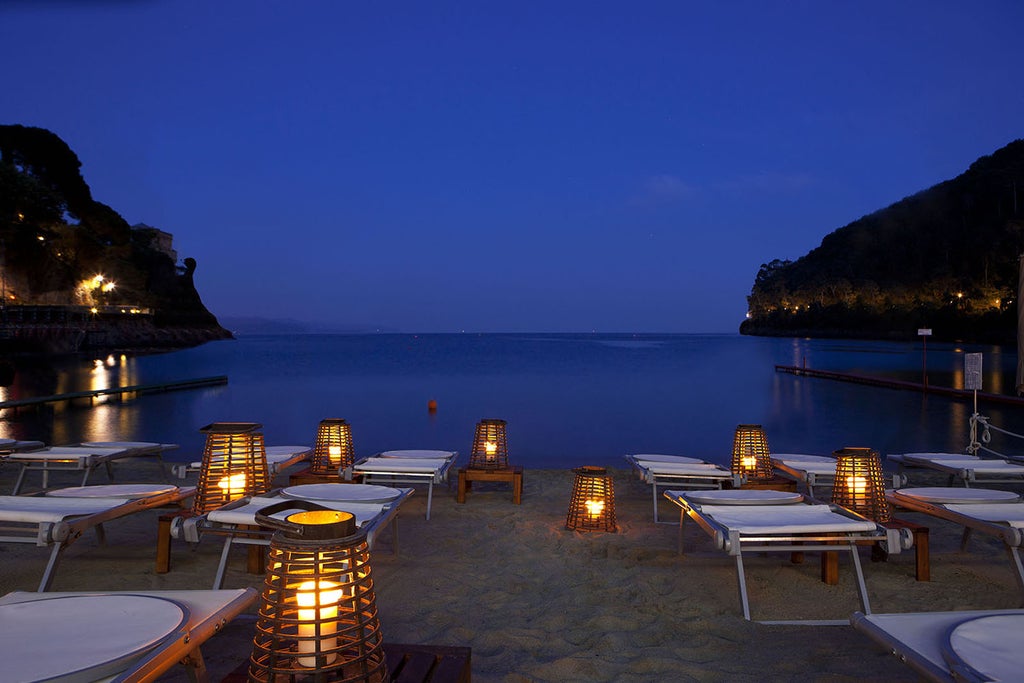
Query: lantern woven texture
(234,465)
(592,507)
(333,450)
(317,617)
(490,446)
(860,484)
(750,454)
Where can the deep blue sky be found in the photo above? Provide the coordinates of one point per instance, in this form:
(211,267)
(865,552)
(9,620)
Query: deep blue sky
(515,166)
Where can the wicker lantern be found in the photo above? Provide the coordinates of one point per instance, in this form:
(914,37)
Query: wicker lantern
(860,485)
(234,465)
(333,449)
(592,507)
(317,616)
(490,447)
(750,455)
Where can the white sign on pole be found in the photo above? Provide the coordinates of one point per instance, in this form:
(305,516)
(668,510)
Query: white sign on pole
(924,332)
(972,371)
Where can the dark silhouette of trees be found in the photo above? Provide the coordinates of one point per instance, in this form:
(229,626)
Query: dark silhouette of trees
(946,258)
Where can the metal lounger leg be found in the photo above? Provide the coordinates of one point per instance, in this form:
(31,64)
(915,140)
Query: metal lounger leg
(218,580)
(861,586)
(430,496)
(1018,568)
(51,567)
(654,490)
(682,522)
(20,480)
(742,581)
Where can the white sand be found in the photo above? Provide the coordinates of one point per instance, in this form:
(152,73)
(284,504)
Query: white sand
(536,602)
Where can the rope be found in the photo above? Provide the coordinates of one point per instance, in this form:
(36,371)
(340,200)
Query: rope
(986,435)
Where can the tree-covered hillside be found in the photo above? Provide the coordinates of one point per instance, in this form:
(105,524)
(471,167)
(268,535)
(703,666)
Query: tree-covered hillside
(60,247)
(945,258)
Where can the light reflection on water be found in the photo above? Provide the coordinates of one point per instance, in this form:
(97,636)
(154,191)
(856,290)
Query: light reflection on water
(568,399)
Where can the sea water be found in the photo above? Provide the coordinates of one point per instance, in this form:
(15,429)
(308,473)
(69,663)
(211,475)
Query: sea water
(568,399)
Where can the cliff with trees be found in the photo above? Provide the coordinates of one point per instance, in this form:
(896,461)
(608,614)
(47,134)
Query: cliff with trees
(73,274)
(946,258)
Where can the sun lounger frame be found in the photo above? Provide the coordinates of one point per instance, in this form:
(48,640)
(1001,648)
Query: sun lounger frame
(966,475)
(734,543)
(681,480)
(37,460)
(191,529)
(390,477)
(1011,537)
(60,534)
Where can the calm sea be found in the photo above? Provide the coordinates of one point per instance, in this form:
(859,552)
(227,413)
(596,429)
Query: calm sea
(569,399)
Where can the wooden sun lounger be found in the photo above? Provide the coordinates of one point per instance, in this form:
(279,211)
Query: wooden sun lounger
(741,521)
(59,518)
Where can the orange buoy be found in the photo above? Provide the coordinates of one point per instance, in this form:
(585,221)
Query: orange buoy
(432,406)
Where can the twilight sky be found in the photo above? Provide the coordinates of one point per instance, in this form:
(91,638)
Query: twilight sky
(549,165)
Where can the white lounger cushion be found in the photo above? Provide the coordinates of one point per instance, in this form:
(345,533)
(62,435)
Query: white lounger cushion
(444,455)
(94,636)
(137,445)
(801,458)
(278,453)
(36,509)
(401,465)
(739,497)
(949,494)
(246,514)
(65,453)
(695,469)
(938,456)
(984,466)
(812,466)
(1008,513)
(112,491)
(351,493)
(784,519)
(655,457)
(991,645)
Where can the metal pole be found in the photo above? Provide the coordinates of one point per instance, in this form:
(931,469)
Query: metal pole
(924,363)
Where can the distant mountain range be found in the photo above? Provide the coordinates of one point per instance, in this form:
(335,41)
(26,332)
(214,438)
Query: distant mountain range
(268,326)
(946,258)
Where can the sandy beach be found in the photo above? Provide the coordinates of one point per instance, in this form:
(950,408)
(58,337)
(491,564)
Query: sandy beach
(537,602)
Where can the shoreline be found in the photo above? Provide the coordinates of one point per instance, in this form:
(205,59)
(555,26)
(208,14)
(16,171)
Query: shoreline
(537,602)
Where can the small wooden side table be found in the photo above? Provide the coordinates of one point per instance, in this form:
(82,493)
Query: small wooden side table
(512,475)
(922,556)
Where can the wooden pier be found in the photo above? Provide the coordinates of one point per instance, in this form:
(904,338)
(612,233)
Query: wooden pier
(900,384)
(122,393)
